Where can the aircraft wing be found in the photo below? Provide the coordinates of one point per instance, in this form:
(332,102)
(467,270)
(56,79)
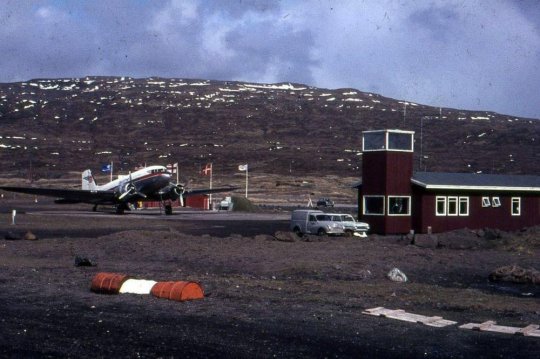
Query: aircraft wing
(208,190)
(68,195)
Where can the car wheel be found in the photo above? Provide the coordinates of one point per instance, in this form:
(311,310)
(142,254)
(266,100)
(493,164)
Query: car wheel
(348,233)
(297,231)
(321,232)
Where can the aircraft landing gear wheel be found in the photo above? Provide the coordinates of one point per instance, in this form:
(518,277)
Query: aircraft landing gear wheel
(120,209)
(168,209)
(94,209)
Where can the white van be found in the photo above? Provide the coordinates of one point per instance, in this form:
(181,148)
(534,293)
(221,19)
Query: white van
(307,221)
(351,226)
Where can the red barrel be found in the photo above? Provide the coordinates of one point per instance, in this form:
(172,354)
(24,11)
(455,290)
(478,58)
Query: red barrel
(108,283)
(179,291)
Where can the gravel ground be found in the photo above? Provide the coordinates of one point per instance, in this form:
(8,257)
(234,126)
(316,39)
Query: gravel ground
(264,297)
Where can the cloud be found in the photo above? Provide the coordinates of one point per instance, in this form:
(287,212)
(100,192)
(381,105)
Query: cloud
(472,54)
(450,53)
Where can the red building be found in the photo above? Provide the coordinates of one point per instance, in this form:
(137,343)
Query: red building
(393,199)
(199,201)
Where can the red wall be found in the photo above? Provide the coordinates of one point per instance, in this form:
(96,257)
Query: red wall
(197,201)
(387,172)
(479,217)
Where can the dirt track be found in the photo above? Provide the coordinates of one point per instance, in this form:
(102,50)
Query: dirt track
(265,298)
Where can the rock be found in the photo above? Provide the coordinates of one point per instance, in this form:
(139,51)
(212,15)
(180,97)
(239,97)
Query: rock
(461,239)
(426,240)
(515,274)
(10,236)
(285,236)
(492,233)
(83,262)
(409,238)
(396,275)
(264,237)
(364,274)
(29,236)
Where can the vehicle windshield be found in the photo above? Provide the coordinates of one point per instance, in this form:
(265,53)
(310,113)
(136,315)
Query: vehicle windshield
(347,218)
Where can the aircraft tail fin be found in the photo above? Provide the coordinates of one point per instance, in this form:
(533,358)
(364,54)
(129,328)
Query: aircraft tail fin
(88,182)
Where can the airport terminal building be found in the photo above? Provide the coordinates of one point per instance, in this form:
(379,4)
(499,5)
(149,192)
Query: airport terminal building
(394,199)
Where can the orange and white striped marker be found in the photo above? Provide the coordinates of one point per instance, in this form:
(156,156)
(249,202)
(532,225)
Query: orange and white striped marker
(115,283)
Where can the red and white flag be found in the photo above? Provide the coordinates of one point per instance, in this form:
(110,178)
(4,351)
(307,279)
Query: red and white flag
(172,167)
(207,170)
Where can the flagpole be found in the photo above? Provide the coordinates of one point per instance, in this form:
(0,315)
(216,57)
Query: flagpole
(245,168)
(210,197)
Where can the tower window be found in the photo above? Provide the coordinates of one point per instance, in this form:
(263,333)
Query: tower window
(400,141)
(486,202)
(374,141)
(496,202)
(389,140)
(399,205)
(374,205)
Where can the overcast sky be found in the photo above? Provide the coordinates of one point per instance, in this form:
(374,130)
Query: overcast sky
(478,55)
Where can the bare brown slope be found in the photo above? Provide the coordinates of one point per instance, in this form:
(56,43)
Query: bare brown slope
(69,124)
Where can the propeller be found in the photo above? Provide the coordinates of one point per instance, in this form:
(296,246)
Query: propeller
(130,189)
(179,190)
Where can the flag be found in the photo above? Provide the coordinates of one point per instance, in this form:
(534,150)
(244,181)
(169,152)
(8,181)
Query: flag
(172,167)
(243,167)
(207,170)
(106,168)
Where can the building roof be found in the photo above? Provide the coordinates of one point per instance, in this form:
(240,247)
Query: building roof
(475,181)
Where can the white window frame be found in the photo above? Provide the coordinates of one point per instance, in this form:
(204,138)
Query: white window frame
(398,214)
(486,202)
(496,201)
(466,201)
(518,201)
(452,198)
(387,140)
(364,205)
(443,198)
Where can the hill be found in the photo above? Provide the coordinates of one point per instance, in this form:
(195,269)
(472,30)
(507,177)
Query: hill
(50,126)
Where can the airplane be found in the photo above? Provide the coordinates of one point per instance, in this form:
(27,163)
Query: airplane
(152,183)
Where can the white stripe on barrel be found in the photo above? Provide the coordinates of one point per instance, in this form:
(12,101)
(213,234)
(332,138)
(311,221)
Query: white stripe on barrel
(137,286)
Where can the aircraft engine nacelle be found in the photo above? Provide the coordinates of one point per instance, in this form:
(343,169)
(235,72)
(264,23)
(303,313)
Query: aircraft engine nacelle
(174,192)
(128,190)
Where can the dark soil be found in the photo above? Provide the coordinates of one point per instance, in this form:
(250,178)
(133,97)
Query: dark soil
(264,297)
